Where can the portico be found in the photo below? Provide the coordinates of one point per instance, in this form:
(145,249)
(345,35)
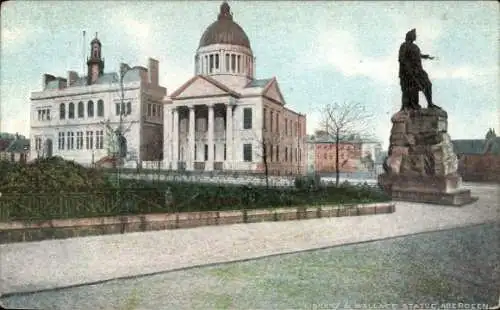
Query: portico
(201,135)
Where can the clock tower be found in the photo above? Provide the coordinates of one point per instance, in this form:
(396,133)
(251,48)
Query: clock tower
(95,63)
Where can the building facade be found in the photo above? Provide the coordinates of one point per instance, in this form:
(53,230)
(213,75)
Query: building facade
(224,118)
(355,154)
(14,148)
(77,117)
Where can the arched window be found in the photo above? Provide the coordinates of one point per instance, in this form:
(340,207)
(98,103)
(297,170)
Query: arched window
(227,63)
(81,109)
(62,111)
(217,61)
(100,108)
(129,108)
(90,108)
(71,110)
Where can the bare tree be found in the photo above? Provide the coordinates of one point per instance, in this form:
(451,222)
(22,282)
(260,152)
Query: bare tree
(341,120)
(267,143)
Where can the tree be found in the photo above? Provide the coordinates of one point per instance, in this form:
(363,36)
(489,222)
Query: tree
(343,120)
(267,143)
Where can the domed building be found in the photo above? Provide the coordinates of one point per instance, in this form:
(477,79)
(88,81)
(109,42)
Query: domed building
(224,118)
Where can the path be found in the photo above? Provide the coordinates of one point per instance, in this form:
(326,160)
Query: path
(59,263)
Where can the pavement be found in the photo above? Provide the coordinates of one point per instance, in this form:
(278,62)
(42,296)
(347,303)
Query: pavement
(49,264)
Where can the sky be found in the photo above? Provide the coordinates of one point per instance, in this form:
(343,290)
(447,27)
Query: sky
(320,52)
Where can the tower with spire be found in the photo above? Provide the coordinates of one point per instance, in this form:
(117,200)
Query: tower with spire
(95,63)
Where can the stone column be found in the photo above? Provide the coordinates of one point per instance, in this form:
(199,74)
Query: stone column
(229,137)
(167,136)
(191,137)
(175,139)
(210,139)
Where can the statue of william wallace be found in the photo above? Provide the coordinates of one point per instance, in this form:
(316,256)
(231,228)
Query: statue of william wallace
(412,76)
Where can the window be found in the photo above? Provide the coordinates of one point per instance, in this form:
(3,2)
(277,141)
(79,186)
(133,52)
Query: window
(100,108)
(62,111)
(233,62)
(99,139)
(129,108)
(286,153)
(149,109)
(206,152)
(271,148)
(239,64)
(211,63)
(277,122)
(48,114)
(60,144)
(227,63)
(154,110)
(81,109)
(217,61)
(277,153)
(89,140)
(90,109)
(286,126)
(195,152)
(247,152)
(71,140)
(39,115)
(271,121)
(264,120)
(117,108)
(38,143)
(247,118)
(79,140)
(225,151)
(71,110)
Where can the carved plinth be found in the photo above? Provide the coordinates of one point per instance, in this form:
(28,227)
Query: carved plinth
(421,165)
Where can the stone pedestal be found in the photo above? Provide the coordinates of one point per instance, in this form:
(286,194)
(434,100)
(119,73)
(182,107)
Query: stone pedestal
(421,165)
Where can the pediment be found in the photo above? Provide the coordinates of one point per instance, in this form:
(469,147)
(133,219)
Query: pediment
(200,86)
(273,92)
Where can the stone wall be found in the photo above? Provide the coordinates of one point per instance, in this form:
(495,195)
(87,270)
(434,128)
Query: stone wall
(479,168)
(60,229)
(215,178)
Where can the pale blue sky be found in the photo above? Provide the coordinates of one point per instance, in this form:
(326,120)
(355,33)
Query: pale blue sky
(320,52)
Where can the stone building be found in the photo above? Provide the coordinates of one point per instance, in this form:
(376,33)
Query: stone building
(14,148)
(224,118)
(479,159)
(74,117)
(355,154)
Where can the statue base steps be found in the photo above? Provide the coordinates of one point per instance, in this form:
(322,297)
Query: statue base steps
(426,189)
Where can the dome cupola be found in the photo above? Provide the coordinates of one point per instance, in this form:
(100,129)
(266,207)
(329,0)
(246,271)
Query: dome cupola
(224,51)
(224,30)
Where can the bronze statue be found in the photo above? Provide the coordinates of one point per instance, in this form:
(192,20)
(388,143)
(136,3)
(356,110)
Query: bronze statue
(412,76)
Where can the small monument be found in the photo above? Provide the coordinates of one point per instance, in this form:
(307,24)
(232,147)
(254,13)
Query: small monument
(421,165)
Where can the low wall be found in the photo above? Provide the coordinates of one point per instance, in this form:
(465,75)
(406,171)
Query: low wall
(18,231)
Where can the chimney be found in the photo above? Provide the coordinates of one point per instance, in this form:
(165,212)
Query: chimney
(62,82)
(72,78)
(153,71)
(47,78)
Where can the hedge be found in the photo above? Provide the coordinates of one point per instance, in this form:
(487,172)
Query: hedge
(140,197)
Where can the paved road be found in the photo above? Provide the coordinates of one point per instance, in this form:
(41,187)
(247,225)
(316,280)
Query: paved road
(459,265)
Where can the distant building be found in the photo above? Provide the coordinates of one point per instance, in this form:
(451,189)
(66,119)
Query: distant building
(355,154)
(69,116)
(224,118)
(479,159)
(14,148)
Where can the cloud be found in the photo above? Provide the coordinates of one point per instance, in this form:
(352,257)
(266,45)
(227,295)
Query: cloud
(338,48)
(14,37)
